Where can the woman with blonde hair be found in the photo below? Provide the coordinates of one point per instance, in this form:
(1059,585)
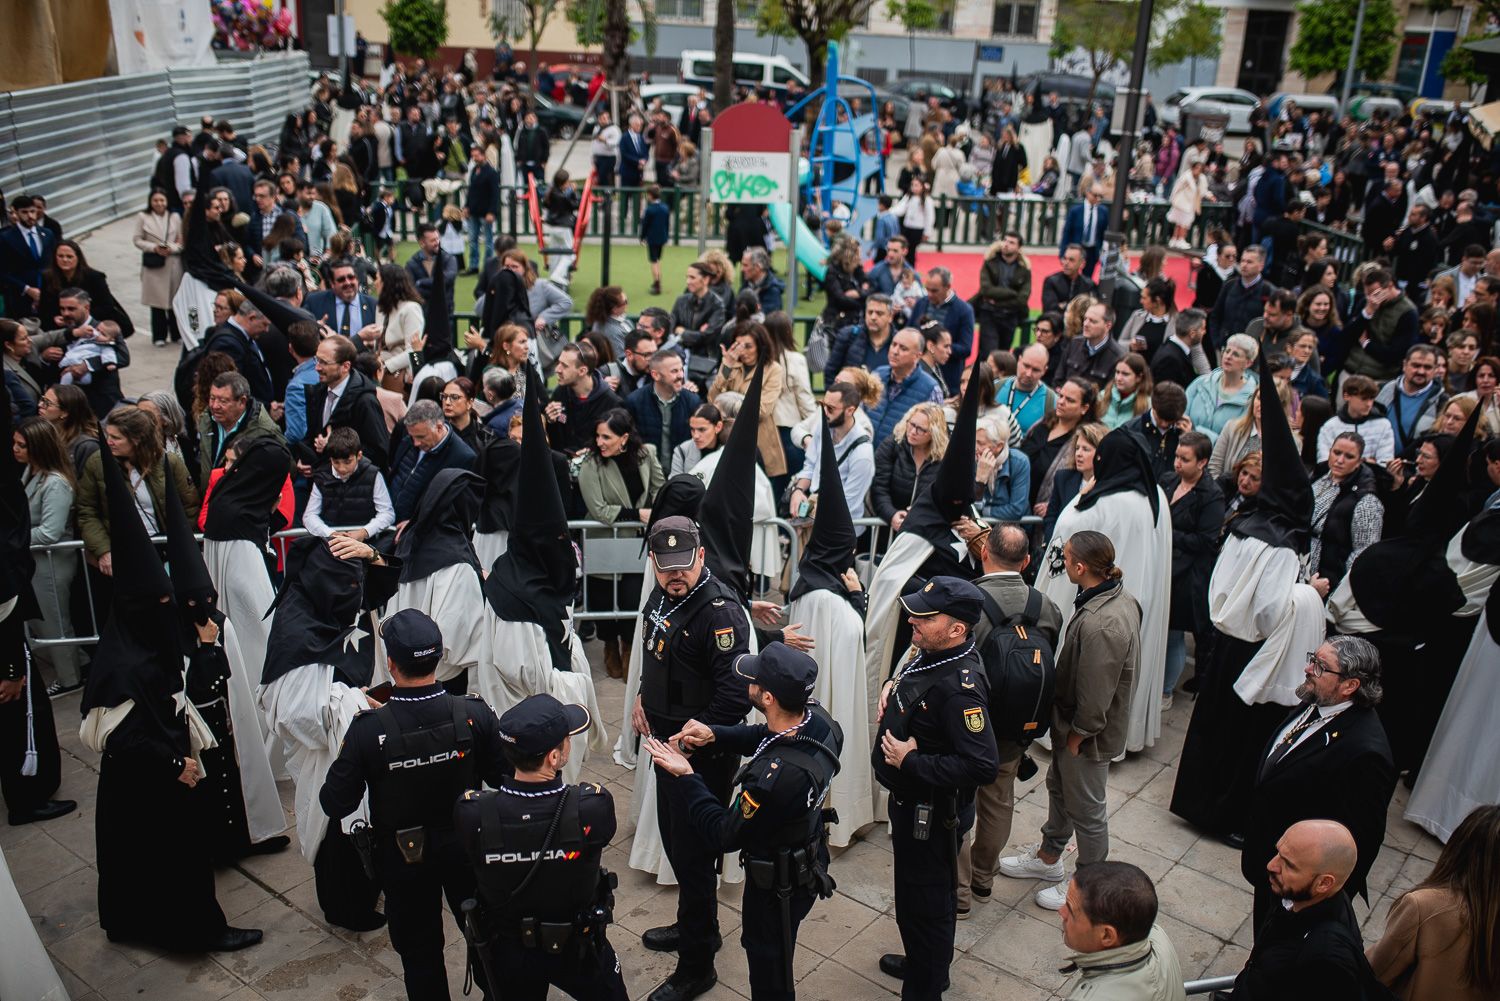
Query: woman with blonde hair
(907,462)
(1073,315)
(721,277)
(345,192)
(1241,436)
(1077,477)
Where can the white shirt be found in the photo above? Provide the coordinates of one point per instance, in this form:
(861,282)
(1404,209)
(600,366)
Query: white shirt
(606,142)
(385,512)
(1325,714)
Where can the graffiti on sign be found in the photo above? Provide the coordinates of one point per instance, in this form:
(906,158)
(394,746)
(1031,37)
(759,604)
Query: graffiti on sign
(747,177)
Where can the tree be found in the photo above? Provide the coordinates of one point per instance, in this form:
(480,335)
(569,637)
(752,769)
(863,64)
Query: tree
(606,23)
(524,20)
(1103,34)
(816,22)
(1325,30)
(723,53)
(416,27)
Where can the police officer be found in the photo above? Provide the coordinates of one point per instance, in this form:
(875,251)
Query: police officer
(693,627)
(535,845)
(417,754)
(776,821)
(933,747)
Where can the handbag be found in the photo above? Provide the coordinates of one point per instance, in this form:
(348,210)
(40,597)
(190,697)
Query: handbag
(151,259)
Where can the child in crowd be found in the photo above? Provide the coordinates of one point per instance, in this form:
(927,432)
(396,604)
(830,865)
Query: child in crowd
(656,228)
(348,491)
(91,354)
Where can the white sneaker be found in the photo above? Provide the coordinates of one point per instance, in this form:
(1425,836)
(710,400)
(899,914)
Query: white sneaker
(1166,703)
(1028,866)
(1052,898)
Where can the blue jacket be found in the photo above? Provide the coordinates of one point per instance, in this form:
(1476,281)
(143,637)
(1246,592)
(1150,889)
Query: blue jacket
(656,224)
(1270,195)
(325,304)
(1073,232)
(957,317)
(1007,499)
(304,375)
(886,226)
(20,268)
(409,478)
(881,279)
(770,293)
(647,413)
(898,398)
(851,348)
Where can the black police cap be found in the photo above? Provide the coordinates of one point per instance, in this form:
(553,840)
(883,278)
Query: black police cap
(538,723)
(948,596)
(412,640)
(786,673)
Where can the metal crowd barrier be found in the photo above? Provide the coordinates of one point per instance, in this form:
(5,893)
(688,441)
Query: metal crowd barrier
(1208,985)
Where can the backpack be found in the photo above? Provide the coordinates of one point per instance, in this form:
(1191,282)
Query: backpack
(1019,662)
(186,372)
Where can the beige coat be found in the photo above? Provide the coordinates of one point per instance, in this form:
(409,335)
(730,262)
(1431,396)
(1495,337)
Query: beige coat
(735,379)
(1097,666)
(946,164)
(159,285)
(1425,947)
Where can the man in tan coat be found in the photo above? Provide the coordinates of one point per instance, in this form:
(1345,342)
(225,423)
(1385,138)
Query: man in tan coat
(1096,672)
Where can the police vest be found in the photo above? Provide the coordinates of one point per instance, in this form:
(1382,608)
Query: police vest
(678,683)
(426,770)
(513,840)
(778,766)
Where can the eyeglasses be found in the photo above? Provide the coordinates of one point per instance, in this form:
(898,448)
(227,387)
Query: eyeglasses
(451,397)
(1320,668)
(46,403)
(346,280)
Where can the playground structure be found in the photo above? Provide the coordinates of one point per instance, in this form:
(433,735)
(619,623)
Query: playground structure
(551,248)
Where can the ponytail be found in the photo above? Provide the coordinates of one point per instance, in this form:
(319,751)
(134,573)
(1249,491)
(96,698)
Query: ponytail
(1096,553)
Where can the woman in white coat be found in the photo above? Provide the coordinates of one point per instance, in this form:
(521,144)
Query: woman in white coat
(1126,505)
(1188,192)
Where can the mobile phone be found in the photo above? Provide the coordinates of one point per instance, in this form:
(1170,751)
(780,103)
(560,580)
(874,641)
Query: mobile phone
(380,693)
(803,509)
(922,823)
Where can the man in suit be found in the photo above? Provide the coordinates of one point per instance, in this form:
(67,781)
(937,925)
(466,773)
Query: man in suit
(634,151)
(344,309)
(1094,354)
(1085,225)
(342,398)
(1173,360)
(25,251)
(238,338)
(267,211)
(428,256)
(429,447)
(1329,760)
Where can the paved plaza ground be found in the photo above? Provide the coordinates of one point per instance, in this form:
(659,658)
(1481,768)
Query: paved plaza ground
(1009,950)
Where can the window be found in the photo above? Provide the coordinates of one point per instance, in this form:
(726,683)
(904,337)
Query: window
(745,11)
(1009,19)
(748,73)
(781,76)
(679,10)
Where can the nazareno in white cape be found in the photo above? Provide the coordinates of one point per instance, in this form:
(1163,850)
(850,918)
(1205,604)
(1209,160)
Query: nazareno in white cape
(1143,551)
(1254,596)
(27,974)
(454,599)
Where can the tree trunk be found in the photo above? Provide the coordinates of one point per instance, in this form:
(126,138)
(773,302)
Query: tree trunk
(616,42)
(817,59)
(723,53)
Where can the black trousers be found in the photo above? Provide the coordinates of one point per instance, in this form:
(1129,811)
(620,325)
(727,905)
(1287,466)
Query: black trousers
(997,332)
(913,238)
(761,936)
(926,898)
(694,862)
(162,327)
(604,171)
(345,893)
(24,793)
(414,909)
(529,972)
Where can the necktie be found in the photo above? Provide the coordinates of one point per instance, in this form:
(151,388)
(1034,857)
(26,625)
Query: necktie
(1088,226)
(344,318)
(1284,746)
(328,405)
(36,247)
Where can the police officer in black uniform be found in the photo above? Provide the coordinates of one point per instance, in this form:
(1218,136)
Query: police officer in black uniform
(693,627)
(417,754)
(776,821)
(933,748)
(535,845)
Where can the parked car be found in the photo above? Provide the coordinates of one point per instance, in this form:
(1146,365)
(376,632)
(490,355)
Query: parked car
(750,69)
(1240,103)
(560,120)
(1071,89)
(674,97)
(920,89)
(1325,103)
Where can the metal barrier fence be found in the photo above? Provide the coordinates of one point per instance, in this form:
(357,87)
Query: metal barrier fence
(1348,249)
(1208,985)
(89,147)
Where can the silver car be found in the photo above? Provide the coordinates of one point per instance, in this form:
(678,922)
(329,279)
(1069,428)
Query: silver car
(1240,103)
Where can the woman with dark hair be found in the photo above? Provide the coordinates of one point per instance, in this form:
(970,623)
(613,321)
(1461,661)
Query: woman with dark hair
(1486,379)
(601,358)
(1318,309)
(1197,518)
(796,400)
(605,315)
(1442,937)
(1046,444)
(705,435)
(68,408)
(618,481)
(1347,515)
(25,374)
(1149,325)
(158,236)
(1409,480)
(1213,271)
(1482,319)
(751,347)
(49,483)
(398,317)
(69,269)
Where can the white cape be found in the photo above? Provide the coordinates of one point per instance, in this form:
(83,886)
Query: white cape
(841,689)
(1253,595)
(883,613)
(193,306)
(310,712)
(627,744)
(765,541)
(1475,579)
(522,667)
(1143,550)
(27,973)
(454,599)
(1459,773)
(237,568)
(490,546)
(264,817)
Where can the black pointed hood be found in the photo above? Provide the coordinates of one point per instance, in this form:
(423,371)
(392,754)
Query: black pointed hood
(319,616)
(243,504)
(281,314)
(534,580)
(139,656)
(1405,583)
(952,494)
(197,598)
(16,563)
(680,497)
(1122,466)
(726,521)
(437,325)
(1282,515)
(830,548)
(440,533)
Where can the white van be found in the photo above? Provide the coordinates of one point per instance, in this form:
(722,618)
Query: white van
(750,69)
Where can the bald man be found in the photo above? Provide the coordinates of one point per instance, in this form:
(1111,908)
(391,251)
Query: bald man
(1310,947)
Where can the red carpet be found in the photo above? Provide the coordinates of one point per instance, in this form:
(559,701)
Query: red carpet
(965,268)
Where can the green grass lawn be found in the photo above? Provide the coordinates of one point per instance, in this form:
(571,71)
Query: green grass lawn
(628,268)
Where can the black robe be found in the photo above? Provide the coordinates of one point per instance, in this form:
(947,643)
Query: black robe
(219,798)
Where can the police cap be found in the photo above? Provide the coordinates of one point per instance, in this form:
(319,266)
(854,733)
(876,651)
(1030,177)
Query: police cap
(413,641)
(786,673)
(947,596)
(538,723)
(674,543)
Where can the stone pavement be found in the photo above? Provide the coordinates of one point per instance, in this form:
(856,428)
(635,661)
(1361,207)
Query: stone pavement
(1009,950)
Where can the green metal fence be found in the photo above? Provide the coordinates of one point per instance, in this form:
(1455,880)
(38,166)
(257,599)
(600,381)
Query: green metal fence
(1345,248)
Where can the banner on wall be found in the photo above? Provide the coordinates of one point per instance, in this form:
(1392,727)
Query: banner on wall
(154,35)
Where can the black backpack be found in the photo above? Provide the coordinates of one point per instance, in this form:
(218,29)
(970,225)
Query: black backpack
(187,372)
(1018,659)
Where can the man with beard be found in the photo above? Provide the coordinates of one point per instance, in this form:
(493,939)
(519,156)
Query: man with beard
(1330,759)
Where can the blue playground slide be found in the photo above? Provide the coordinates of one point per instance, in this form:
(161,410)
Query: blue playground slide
(811,253)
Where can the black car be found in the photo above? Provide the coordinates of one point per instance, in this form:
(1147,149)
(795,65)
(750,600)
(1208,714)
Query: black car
(561,121)
(920,89)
